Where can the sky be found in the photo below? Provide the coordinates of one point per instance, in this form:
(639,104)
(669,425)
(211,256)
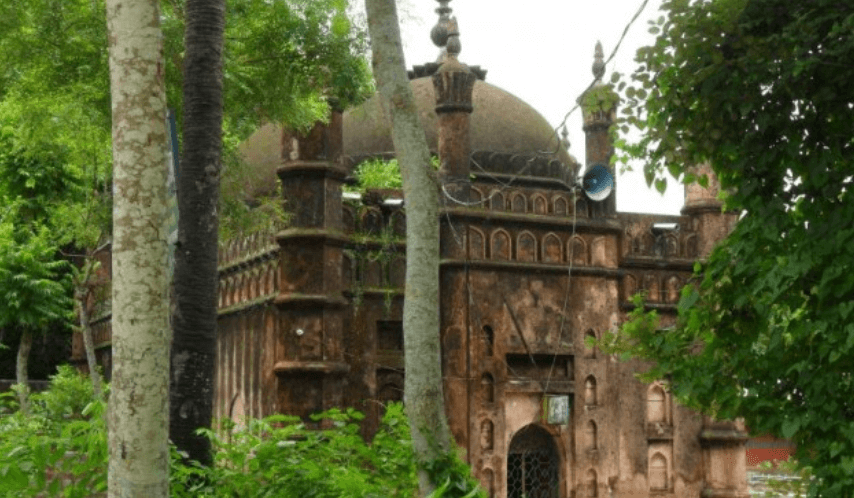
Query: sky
(542,52)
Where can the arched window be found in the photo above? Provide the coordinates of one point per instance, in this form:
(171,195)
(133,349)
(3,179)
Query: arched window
(533,465)
(590,391)
(658,472)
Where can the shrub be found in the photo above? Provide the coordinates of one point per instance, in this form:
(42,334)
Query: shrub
(60,449)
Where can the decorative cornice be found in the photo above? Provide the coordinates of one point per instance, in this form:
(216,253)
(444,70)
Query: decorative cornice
(311,367)
(297,300)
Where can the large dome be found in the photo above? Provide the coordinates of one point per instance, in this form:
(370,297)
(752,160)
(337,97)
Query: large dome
(505,133)
(501,122)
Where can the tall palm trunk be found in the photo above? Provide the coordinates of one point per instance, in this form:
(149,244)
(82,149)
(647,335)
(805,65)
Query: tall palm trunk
(195,284)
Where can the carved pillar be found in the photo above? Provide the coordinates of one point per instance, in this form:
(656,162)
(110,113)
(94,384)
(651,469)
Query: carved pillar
(309,359)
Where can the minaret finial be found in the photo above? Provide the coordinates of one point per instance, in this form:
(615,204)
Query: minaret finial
(565,137)
(598,62)
(446,33)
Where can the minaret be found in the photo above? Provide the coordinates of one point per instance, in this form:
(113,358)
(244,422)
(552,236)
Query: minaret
(599,108)
(706,211)
(453,84)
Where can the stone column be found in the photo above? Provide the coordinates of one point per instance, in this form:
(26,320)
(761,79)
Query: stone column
(309,358)
(453,84)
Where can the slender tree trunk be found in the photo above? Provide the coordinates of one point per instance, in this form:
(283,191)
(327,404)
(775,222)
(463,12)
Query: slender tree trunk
(81,294)
(138,412)
(195,316)
(425,404)
(21,367)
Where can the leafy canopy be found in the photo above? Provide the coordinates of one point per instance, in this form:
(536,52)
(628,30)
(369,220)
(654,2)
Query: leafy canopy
(284,60)
(761,91)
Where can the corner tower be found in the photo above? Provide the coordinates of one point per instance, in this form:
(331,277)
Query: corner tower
(599,106)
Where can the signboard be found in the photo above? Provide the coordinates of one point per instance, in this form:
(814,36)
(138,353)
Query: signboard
(557,409)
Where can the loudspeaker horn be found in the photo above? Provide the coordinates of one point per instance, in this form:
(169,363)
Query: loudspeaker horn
(598,183)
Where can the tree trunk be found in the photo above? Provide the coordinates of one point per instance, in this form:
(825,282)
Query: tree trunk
(81,295)
(425,404)
(195,316)
(138,412)
(21,366)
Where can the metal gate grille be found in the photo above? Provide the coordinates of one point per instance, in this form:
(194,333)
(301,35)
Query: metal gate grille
(532,465)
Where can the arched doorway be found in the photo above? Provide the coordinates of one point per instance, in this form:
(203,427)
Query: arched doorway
(533,465)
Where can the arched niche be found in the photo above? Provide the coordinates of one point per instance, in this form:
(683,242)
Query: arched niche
(671,246)
(496,201)
(487,480)
(371,221)
(487,388)
(650,285)
(475,197)
(488,340)
(657,410)
(658,472)
(518,203)
(476,247)
(533,465)
(591,483)
(552,249)
(589,351)
(577,251)
(397,223)
(560,206)
(526,247)
(540,206)
(630,287)
(500,245)
(348,218)
(672,287)
(581,209)
(487,435)
(691,246)
(590,391)
(591,436)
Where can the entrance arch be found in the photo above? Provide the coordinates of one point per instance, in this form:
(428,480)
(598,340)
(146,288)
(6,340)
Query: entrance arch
(533,465)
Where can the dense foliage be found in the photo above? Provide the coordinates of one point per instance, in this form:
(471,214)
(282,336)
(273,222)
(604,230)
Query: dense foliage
(761,91)
(60,449)
(284,61)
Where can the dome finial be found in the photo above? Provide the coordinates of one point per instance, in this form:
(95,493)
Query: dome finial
(446,33)
(598,62)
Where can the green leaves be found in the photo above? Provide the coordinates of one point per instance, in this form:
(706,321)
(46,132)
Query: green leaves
(61,450)
(758,90)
